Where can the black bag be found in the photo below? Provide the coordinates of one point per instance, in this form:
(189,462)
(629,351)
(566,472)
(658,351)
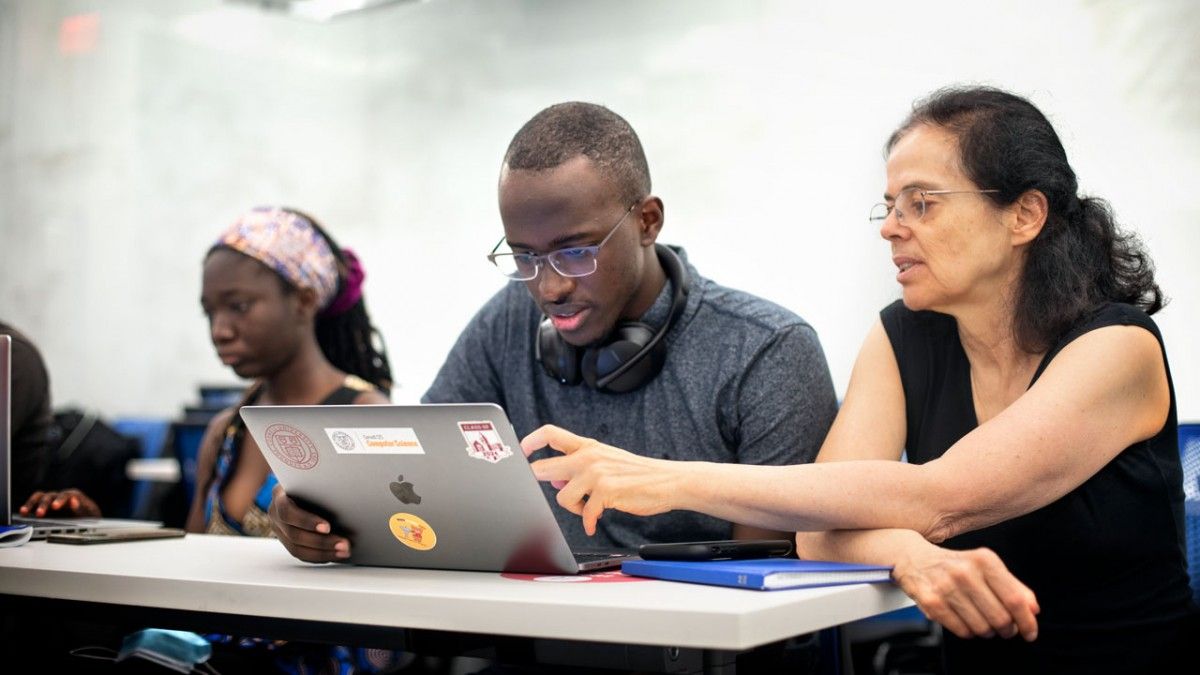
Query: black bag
(88,454)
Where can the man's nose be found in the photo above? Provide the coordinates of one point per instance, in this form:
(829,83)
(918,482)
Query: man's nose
(552,286)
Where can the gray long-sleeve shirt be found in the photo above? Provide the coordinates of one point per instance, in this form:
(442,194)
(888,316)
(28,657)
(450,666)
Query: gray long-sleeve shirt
(744,381)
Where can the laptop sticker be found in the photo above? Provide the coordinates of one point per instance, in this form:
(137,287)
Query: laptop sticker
(403,490)
(605,577)
(483,441)
(412,531)
(389,441)
(291,446)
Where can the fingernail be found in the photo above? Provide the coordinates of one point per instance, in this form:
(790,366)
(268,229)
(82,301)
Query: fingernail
(323,528)
(342,546)
(1031,637)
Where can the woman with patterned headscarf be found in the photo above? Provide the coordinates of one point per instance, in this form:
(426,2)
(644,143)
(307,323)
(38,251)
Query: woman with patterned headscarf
(285,309)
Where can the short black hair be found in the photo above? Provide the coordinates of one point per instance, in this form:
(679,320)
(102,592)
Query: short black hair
(566,130)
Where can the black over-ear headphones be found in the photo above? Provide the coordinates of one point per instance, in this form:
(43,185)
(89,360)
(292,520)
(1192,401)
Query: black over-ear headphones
(631,355)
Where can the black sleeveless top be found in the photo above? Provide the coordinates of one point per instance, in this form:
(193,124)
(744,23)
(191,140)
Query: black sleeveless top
(1106,560)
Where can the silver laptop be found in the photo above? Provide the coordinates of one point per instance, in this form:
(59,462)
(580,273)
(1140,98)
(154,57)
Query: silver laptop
(441,486)
(42,527)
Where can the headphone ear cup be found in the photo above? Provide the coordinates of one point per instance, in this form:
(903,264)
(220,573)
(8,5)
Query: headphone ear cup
(559,358)
(627,340)
(632,355)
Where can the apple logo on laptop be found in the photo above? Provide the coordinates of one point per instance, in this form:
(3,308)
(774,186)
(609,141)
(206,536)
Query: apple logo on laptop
(404,491)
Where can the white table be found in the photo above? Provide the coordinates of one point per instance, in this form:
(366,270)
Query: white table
(223,577)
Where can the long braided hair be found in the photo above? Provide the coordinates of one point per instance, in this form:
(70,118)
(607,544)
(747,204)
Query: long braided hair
(347,337)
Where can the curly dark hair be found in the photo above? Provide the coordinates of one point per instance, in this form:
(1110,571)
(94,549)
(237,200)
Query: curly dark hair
(1081,259)
(567,130)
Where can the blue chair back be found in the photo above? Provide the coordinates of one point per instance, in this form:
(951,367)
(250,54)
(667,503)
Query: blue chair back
(152,434)
(1189,455)
(186,436)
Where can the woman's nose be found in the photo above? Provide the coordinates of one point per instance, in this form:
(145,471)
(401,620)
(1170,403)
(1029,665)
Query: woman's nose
(891,227)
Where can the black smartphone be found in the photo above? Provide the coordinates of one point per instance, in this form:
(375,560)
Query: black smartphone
(717,550)
(116,535)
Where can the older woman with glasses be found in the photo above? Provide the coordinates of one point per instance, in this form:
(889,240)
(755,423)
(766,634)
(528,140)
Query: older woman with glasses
(1029,387)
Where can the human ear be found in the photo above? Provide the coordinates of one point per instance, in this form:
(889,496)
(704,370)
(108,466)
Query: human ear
(650,217)
(1029,214)
(306,302)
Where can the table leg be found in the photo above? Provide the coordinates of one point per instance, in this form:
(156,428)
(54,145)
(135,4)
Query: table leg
(720,662)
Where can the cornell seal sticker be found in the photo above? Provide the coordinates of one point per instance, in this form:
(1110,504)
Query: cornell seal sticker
(483,441)
(412,531)
(291,447)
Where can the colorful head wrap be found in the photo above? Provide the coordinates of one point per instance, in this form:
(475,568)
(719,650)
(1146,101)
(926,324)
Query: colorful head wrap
(287,243)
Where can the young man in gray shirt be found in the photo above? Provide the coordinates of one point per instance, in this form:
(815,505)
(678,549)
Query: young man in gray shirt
(616,336)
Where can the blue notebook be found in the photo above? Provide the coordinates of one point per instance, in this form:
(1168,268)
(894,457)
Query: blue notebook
(767,574)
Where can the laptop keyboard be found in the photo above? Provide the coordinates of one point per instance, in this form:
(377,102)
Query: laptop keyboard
(48,522)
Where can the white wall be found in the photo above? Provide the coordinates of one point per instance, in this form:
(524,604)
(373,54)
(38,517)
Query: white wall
(763,123)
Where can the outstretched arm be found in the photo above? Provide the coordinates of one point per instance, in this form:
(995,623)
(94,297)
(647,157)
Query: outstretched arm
(781,405)
(1071,423)
(971,593)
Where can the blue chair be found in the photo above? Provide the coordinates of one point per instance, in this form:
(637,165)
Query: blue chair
(186,435)
(152,435)
(1189,456)
(220,396)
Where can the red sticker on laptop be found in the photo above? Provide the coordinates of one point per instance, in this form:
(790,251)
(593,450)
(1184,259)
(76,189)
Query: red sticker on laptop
(412,531)
(483,441)
(605,577)
(291,447)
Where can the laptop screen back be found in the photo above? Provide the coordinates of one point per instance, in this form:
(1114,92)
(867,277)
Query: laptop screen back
(5,429)
(430,486)
(41,526)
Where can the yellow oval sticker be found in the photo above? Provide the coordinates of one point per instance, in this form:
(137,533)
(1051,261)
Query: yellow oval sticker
(412,531)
